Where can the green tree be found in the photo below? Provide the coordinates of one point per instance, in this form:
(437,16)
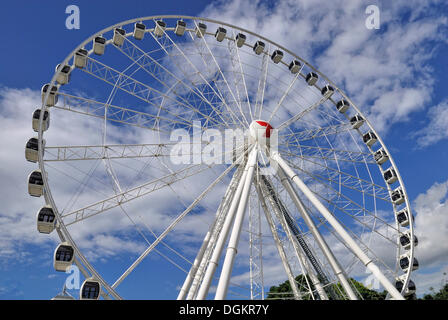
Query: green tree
(284,291)
(441,295)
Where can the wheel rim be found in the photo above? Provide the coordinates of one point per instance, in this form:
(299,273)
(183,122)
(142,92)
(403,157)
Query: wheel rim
(300,148)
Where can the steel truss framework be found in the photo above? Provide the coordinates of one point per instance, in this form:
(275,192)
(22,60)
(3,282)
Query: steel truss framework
(325,188)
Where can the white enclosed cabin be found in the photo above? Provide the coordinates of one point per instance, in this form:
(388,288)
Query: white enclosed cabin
(160,28)
(390,175)
(35,183)
(397,196)
(52,96)
(259,47)
(405,240)
(63,257)
(357,121)
(277,56)
(45,120)
(405,263)
(81,58)
(411,288)
(311,78)
(342,105)
(403,217)
(327,91)
(380,156)
(99,45)
(32,149)
(118,38)
(369,138)
(139,31)
(90,290)
(240,39)
(63,74)
(220,34)
(294,66)
(180,27)
(46,220)
(200,29)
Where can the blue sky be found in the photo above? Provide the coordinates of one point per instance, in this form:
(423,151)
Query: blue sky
(412,38)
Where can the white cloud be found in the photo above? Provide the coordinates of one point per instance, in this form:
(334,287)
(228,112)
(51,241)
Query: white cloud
(437,127)
(384,72)
(432,225)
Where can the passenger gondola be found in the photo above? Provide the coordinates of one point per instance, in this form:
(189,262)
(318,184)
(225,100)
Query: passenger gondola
(180,28)
(160,27)
(99,45)
(405,240)
(220,34)
(52,95)
(380,156)
(311,78)
(81,58)
(118,38)
(64,256)
(390,175)
(327,91)
(35,183)
(90,289)
(397,196)
(258,47)
(240,39)
(277,56)
(45,120)
(32,149)
(405,263)
(200,30)
(342,105)
(369,138)
(139,31)
(294,66)
(46,220)
(63,77)
(403,217)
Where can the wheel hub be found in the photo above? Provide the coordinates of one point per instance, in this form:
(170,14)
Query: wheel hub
(260,132)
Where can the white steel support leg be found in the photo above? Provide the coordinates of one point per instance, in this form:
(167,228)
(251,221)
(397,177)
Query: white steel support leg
(368,262)
(188,283)
(213,263)
(227,267)
(214,238)
(302,258)
(280,249)
(318,236)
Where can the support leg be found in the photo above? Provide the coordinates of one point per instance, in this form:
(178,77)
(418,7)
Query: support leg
(368,262)
(224,279)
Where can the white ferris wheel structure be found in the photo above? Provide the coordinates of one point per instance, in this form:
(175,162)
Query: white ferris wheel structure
(334,209)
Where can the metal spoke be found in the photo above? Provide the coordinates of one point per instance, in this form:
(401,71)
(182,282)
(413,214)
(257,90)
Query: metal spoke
(155,69)
(131,194)
(172,226)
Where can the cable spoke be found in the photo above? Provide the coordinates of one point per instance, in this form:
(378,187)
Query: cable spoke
(131,194)
(172,226)
(133,87)
(155,69)
(114,113)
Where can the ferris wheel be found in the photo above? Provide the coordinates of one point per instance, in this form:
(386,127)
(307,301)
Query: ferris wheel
(307,186)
